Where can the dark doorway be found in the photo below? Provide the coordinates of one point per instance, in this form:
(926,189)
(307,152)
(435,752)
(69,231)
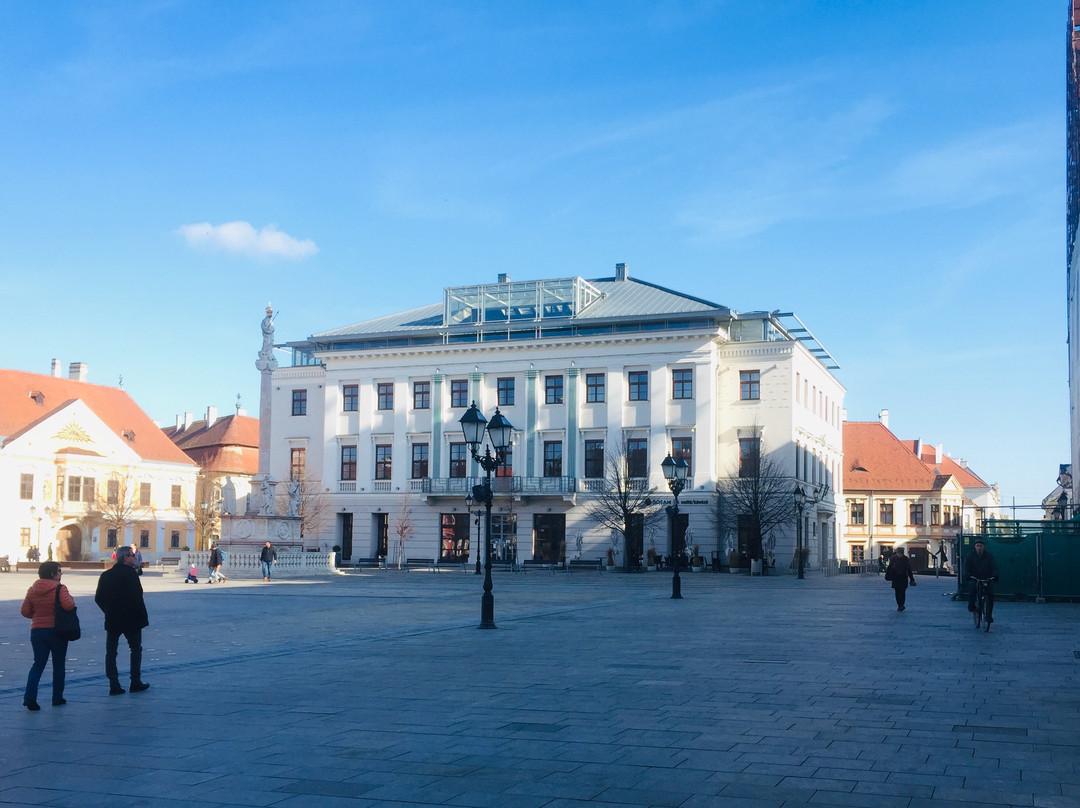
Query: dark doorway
(549,538)
(746,538)
(345,520)
(635,541)
(678,539)
(69,544)
(381,523)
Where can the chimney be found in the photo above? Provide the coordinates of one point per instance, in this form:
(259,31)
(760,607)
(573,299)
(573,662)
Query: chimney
(622,272)
(188,419)
(883,416)
(504,277)
(211,416)
(937,455)
(56,368)
(241,411)
(77,371)
(918,448)
(179,422)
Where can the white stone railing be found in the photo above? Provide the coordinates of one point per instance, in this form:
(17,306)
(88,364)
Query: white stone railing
(246,565)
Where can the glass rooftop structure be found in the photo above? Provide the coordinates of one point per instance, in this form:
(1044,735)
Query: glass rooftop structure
(520,301)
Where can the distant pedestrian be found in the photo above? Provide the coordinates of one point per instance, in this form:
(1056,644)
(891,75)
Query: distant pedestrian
(881,561)
(268,557)
(40,606)
(899,573)
(120,596)
(33,555)
(215,564)
(982,566)
(138,557)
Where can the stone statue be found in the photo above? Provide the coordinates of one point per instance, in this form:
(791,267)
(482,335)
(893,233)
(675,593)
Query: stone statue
(266,489)
(228,496)
(266,359)
(294,497)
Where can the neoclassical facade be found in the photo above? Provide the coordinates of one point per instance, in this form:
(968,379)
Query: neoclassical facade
(368,415)
(83,469)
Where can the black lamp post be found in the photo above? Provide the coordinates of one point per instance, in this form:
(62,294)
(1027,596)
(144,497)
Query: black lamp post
(498,429)
(675,472)
(800,503)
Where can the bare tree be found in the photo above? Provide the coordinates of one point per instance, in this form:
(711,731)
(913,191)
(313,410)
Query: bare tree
(617,499)
(403,527)
(118,506)
(759,498)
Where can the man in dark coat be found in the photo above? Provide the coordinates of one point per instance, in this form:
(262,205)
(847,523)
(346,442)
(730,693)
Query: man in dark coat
(981,564)
(899,573)
(120,596)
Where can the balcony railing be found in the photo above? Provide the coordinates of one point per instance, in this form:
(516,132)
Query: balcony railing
(525,486)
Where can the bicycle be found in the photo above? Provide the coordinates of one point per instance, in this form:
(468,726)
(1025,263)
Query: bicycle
(980,602)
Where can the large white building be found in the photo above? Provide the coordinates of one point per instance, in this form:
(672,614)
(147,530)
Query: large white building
(84,469)
(581,369)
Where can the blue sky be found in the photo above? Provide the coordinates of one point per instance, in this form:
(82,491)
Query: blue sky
(892,172)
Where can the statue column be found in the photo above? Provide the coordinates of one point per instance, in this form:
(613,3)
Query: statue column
(266,364)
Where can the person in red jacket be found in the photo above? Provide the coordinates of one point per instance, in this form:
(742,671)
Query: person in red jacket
(40,606)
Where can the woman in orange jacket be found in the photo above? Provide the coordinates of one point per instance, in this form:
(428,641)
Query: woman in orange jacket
(40,606)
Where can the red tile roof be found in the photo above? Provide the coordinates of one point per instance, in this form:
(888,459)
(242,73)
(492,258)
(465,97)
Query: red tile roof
(966,477)
(876,460)
(20,410)
(229,445)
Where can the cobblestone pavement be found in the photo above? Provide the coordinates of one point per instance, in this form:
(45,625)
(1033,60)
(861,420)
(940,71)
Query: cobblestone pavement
(599,689)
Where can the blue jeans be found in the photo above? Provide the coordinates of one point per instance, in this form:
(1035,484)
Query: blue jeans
(44,642)
(266,568)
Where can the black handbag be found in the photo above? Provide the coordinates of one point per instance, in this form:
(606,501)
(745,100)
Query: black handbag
(66,625)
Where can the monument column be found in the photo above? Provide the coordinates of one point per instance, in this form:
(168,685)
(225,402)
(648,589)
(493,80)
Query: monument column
(266,364)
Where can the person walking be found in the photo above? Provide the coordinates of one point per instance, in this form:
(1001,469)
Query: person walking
(899,573)
(135,551)
(268,557)
(120,596)
(214,564)
(982,565)
(40,606)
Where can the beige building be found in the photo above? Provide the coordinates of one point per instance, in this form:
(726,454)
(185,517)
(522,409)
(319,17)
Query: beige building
(84,469)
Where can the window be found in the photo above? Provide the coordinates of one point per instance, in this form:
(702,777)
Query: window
(858,513)
(506,392)
(348,462)
(144,495)
(935,514)
(858,553)
(419,461)
(459,460)
(110,537)
(384,457)
(421,395)
(682,383)
(297,463)
(299,402)
(915,513)
(952,516)
(749,385)
(637,457)
(684,448)
(885,513)
(74,489)
(88,489)
(26,486)
(176,496)
(507,467)
(553,456)
(112,492)
(24,537)
(749,456)
(553,390)
(638,384)
(594,388)
(385,392)
(350,398)
(144,539)
(459,392)
(594,459)
(174,539)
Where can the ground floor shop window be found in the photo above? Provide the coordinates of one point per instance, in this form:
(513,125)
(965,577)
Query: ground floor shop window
(454,536)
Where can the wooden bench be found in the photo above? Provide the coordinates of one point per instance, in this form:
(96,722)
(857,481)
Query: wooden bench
(363,562)
(596,564)
(427,563)
(532,564)
(169,561)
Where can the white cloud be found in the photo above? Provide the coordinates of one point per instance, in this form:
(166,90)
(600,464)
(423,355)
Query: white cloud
(242,238)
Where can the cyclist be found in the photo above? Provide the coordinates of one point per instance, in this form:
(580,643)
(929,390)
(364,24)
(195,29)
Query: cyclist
(982,566)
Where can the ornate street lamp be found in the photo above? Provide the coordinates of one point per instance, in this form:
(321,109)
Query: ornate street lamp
(675,472)
(801,500)
(498,430)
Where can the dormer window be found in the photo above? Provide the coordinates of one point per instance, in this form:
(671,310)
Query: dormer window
(38,396)
(127,433)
